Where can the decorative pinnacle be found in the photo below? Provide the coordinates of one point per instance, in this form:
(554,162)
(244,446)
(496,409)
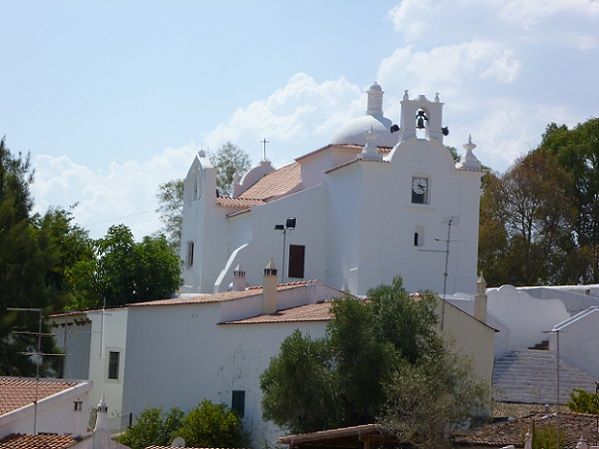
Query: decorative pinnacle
(370,135)
(405,95)
(469,146)
(437,97)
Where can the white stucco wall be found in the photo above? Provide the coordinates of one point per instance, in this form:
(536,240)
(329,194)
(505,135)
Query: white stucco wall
(527,317)
(221,359)
(75,343)
(108,333)
(578,337)
(55,414)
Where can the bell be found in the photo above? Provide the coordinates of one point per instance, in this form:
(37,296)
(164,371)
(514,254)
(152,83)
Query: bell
(420,123)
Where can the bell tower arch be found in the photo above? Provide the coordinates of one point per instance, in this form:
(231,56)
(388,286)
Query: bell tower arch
(421,113)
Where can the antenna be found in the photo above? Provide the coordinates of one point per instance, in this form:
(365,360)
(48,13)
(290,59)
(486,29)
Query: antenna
(38,354)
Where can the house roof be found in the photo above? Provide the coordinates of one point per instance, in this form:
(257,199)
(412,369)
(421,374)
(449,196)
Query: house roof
(18,441)
(275,183)
(17,392)
(240,203)
(571,426)
(345,437)
(217,297)
(308,312)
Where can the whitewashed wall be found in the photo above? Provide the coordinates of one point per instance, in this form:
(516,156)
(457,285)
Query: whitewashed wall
(578,341)
(527,317)
(108,333)
(220,359)
(75,343)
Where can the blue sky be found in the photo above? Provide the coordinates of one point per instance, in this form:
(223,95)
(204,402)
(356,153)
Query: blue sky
(113,98)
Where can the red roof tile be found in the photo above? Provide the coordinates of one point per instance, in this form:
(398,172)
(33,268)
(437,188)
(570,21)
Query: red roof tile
(241,203)
(308,312)
(571,425)
(17,441)
(275,183)
(215,297)
(16,392)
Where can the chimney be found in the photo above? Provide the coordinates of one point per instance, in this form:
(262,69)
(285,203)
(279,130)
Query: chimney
(269,288)
(480,299)
(239,283)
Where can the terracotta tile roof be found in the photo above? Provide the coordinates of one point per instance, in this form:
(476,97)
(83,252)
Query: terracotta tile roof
(275,183)
(17,441)
(330,434)
(16,392)
(241,203)
(214,297)
(308,312)
(345,146)
(571,425)
(173,447)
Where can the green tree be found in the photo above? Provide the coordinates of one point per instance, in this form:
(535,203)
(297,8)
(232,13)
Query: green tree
(213,425)
(299,388)
(170,208)
(228,160)
(371,347)
(582,401)
(152,428)
(527,215)
(27,259)
(577,152)
(123,271)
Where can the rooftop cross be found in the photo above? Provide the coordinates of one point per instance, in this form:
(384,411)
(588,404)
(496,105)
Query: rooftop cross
(264,142)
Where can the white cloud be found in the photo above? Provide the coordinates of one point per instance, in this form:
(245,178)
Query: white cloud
(529,13)
(509,130)
(409,18)
(448,67)
(293,118)
(126,193)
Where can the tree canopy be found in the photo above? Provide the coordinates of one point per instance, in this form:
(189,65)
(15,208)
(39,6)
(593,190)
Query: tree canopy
(170,208)
(360,371)
(207,425)
(228,160)
(539,221)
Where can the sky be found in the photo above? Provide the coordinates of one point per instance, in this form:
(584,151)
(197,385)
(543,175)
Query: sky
(112,98)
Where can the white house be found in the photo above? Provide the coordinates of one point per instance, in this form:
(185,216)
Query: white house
(377,202)
(29,406)
(177,352)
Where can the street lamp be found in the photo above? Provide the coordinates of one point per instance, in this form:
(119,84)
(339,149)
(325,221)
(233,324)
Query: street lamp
(285,228)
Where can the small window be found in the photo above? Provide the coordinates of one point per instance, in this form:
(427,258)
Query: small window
(420,190)
(78,405)
(238,402)
(113,365)
(419,236)
(189,256)
(296,261)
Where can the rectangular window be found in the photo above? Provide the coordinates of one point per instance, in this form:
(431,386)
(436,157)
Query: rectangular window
(416,239)
(113,365)
(190,248)
(238,402)
(296,261)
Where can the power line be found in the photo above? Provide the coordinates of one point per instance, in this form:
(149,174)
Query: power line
(118,218)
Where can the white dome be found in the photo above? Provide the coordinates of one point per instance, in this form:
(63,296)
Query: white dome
(354,131)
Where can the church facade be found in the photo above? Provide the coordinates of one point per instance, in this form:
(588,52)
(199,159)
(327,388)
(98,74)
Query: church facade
(380,200)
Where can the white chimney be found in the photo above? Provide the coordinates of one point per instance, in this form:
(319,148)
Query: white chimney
(269,288)
(102,414)
(239,283)
(480,300)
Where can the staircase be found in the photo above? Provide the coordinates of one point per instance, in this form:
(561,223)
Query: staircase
(529,376)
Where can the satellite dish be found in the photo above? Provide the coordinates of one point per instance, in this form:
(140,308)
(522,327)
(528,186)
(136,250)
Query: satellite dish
(178,442)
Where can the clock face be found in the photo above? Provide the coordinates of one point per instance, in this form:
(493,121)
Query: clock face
(419,185)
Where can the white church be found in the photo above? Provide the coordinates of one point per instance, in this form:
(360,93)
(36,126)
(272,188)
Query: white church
(379,201)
